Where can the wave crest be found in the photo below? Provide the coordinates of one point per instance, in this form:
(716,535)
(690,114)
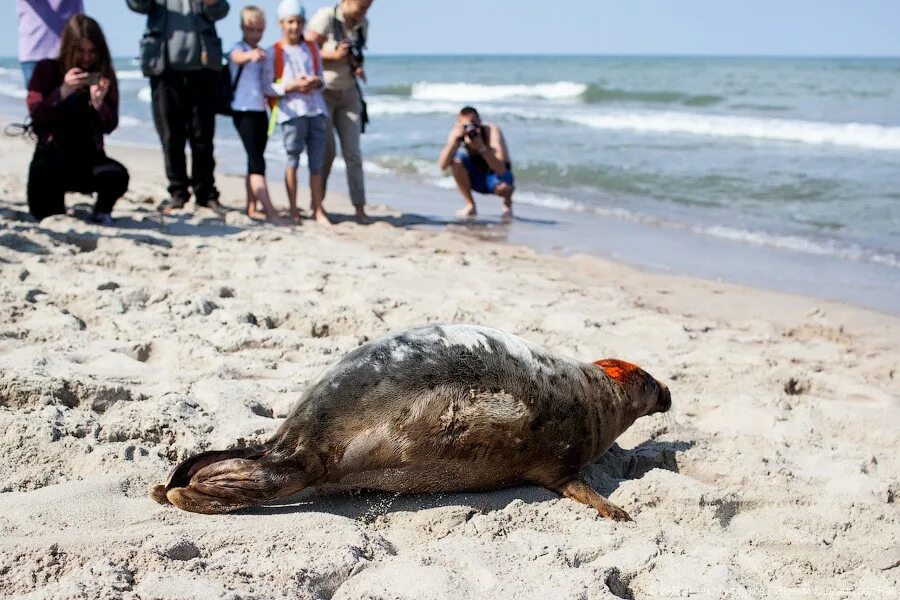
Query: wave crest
(470,92)
(11,90)
(819,133)
(559,90)
(129,74)
(860,135)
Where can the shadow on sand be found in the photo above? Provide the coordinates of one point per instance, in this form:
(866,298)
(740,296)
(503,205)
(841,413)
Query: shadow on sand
(606,474)
(145,225)
(190,223)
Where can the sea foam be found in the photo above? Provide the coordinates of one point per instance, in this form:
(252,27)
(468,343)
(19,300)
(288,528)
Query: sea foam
(11,90)
(129,74)
(470,93)
(792,243)
(859,135)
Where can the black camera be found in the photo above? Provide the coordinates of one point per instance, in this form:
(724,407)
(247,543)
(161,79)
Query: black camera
(471,130)
(356,53)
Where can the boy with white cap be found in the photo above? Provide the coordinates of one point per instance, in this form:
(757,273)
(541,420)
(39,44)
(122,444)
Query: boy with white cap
(293,70)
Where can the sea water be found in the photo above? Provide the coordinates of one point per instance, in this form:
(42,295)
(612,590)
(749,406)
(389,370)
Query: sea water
(779,172)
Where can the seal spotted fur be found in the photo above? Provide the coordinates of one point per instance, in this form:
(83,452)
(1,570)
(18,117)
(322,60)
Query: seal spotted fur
(434,408)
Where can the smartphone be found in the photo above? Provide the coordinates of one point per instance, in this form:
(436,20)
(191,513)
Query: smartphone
(94,78)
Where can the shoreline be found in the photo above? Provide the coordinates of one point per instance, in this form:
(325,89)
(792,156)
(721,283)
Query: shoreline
(721,297)
(127,349)
(426,207)
(659,250)
(656,239)
(647,244)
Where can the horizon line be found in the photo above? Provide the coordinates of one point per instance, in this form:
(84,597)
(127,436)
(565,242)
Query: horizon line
(596,55)
(624,55)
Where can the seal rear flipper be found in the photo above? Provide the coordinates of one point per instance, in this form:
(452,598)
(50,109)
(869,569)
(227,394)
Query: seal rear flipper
(184,471)
(227,485)
(579,490)
(182,474)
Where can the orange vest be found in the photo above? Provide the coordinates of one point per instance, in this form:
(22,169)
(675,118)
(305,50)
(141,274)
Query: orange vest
(279,64)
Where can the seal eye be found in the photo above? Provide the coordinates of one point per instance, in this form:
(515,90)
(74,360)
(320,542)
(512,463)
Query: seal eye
(650,386)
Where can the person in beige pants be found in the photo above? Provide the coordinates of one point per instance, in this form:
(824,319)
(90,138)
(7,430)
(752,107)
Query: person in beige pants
(341,32)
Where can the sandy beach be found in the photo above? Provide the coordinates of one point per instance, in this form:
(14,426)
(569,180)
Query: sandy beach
(124,350)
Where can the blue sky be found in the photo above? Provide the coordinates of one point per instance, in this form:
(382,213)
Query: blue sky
(714,27)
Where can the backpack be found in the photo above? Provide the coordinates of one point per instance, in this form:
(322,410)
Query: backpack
(278,58)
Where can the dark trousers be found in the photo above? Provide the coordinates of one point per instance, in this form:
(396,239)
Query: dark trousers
(253,128)
(54,172)
(184,111)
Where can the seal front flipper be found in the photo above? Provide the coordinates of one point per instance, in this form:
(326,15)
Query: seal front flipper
(578,489)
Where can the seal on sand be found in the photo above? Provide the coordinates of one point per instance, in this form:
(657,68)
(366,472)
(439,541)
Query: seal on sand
(434,408)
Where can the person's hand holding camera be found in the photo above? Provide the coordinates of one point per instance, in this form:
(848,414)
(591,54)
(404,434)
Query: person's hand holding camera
(74,80)
(456,134)
(98,92)
(472,133)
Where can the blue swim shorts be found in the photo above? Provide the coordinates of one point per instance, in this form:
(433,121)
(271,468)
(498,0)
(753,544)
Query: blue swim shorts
(307,133)
(483,183)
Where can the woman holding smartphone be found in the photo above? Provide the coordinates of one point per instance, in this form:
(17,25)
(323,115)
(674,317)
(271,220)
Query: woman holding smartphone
(73,101)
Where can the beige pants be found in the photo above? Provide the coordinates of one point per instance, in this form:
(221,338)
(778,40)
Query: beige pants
(344,107)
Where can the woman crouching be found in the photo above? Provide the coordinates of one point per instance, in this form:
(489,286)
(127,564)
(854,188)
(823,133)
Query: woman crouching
(73,102)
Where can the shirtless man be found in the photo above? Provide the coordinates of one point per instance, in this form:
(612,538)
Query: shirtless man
(477,155)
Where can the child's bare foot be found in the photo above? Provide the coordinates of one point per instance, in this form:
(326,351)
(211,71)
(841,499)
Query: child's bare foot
(296,217)
(507,215)
(253,213)
(322,218)
(468,212)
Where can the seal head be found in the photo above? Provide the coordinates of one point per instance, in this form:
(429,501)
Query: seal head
(647,395)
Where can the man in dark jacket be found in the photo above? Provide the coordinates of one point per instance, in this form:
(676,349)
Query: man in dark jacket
(182,56)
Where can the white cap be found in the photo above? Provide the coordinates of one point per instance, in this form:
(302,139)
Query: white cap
(291,8)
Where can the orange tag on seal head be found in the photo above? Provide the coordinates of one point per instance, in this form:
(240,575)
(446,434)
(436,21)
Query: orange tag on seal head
(617,369)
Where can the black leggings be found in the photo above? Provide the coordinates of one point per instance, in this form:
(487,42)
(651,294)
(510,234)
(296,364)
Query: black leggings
(253,127)
(54,172)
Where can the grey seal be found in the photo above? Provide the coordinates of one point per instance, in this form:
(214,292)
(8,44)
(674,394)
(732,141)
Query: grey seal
(434,408)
